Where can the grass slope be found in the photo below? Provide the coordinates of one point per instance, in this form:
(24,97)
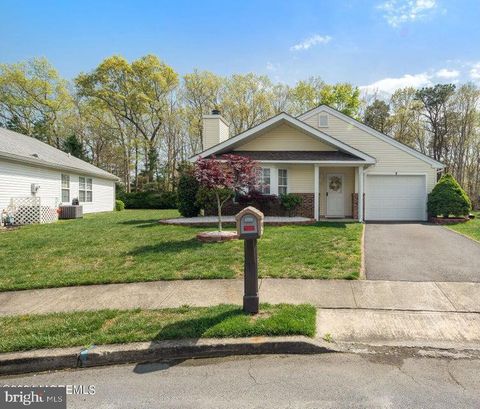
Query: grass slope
(470,228)
(20,333)
(131,246)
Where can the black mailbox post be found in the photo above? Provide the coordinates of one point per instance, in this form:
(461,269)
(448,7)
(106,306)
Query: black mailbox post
(250,228)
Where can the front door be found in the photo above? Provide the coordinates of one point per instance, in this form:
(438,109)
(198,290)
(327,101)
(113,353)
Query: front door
(335,200)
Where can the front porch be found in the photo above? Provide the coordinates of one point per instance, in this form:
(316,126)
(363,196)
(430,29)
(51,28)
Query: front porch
(329,190)
(336,192)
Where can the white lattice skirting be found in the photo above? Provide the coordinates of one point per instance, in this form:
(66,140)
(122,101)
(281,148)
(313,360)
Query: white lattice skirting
(30,210)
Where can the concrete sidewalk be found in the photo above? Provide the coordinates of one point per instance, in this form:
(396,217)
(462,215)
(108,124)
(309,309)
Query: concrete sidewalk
(325,294)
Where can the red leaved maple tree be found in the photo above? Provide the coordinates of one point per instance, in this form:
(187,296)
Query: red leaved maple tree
(230,173)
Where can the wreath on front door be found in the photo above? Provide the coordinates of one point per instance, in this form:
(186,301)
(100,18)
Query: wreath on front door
(335,183)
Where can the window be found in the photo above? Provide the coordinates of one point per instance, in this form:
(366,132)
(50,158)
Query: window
(65,189)
(264,181)
(323,121)
(85,189)
(282,181)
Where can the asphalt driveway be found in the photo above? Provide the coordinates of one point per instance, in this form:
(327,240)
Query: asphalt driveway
(419,252)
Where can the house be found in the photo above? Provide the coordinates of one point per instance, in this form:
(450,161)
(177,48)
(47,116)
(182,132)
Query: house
(341,167)
(29,167)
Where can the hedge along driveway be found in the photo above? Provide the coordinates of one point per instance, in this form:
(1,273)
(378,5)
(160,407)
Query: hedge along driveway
(131,246)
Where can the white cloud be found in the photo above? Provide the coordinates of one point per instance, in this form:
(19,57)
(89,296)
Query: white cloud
(310,42)
(397,12)
(389,85)
(447,74)
(475,71)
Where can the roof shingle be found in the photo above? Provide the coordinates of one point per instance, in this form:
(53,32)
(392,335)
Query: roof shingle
(23,148)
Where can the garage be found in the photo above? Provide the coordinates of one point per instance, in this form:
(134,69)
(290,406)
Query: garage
(395,197)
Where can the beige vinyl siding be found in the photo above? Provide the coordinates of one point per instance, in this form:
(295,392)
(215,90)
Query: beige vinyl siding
(300,177)
(284,138)
(214,132)
(389,158)
(348,187)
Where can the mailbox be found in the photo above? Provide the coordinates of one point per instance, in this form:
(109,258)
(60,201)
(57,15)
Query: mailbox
(249,223)
(250,228)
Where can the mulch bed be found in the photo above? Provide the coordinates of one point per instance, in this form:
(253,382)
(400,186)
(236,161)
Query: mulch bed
(450,220)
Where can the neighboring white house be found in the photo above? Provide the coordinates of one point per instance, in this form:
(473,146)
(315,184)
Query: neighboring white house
(341,167)
(27,164)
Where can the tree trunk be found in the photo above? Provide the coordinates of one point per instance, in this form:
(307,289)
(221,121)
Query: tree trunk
(219,209)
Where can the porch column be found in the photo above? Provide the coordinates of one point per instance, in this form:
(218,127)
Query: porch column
(316,191)
(360,194)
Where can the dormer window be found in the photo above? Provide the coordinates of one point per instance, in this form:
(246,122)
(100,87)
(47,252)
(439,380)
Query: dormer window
(323,121)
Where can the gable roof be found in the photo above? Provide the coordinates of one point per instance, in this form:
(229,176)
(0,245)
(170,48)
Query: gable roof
(352,121)
(274,121)
(25,149)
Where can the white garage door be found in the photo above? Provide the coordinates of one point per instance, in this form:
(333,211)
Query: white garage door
(399,197)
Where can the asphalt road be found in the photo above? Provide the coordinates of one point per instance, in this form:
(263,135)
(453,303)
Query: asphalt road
(317,381)
(419,252)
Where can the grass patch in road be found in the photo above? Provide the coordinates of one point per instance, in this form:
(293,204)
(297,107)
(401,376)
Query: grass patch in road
(131,246)
(470,228)
(20,333)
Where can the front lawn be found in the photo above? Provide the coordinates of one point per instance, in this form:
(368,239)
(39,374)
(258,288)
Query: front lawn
(470,228)
(20,333)
(131,246)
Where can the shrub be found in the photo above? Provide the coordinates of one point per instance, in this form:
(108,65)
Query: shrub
(119,205)
(187,192)
(290,202)
(150,200)
(448,198)
(259,200)
(206,198)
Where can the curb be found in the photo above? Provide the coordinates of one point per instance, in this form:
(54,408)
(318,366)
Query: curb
(70,358)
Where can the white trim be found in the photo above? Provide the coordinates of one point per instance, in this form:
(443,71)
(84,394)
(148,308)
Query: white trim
(397,173)
(283,117)
(324,108)
(262,170)
(278,180)
(316,191)
(319,122)
(86,190)
(361,190)
(318,162)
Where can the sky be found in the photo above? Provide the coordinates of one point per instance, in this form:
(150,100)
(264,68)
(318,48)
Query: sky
(378,45)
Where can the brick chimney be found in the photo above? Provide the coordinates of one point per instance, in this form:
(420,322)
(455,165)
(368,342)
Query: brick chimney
(215,129)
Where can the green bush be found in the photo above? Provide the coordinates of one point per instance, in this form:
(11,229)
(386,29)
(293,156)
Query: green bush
(206,197)
(290,202)
(150,200)
(187,193)
(119,205)
(448,198)
(259,200)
